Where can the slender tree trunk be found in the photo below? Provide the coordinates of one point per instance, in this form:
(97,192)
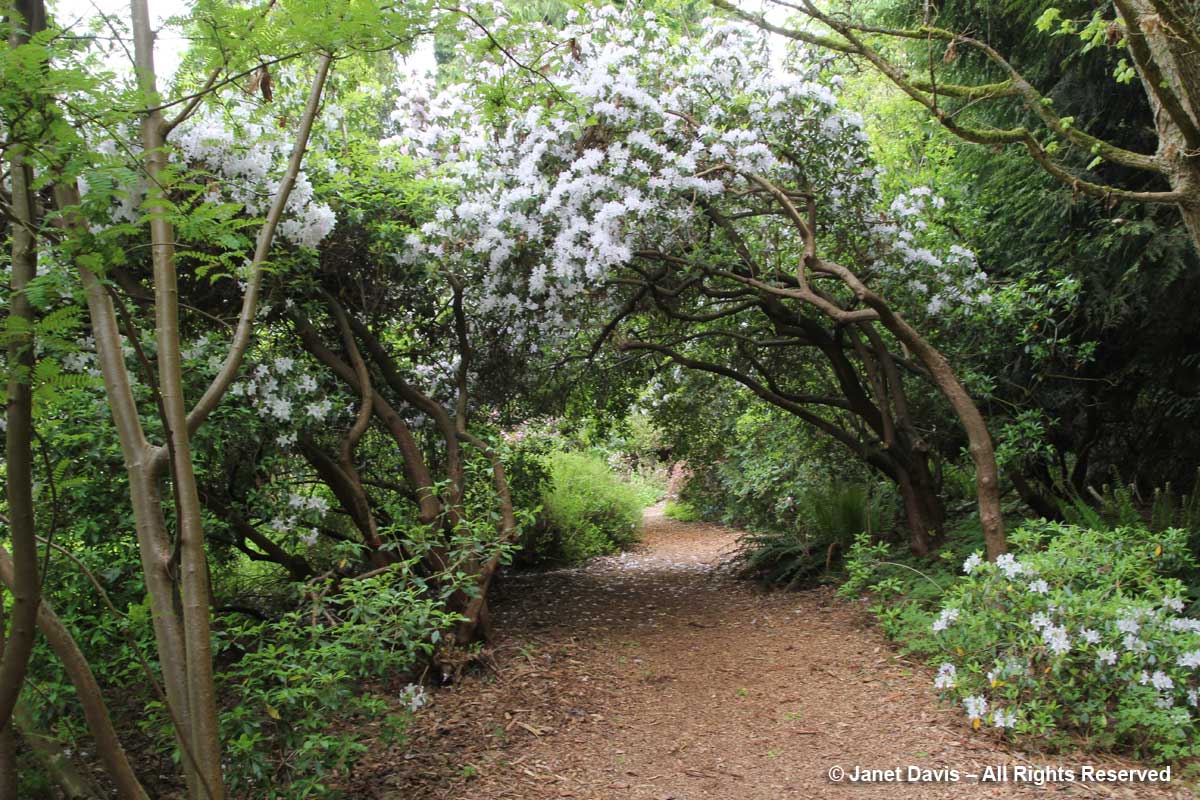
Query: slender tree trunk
(145,496)
(8,764)
(87,691)
(416,471)
(410,394)
(352,495)
(193,584)
(983,454)
(922,507)
(26,587)
(1033,497)
(361,421)
(1165,50)
(921,531)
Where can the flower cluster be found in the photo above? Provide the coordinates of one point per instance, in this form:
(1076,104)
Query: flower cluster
(285,396)
(247,156)
(414,697)
(1121,665)
(639,137)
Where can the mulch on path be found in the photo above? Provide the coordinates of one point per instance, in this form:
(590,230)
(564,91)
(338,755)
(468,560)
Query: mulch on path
(655,675)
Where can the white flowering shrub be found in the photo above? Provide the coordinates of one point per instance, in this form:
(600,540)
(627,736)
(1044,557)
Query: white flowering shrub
(243,153)
(1081,633)
(641,137)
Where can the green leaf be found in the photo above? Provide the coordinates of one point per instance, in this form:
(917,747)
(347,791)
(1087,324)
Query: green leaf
(1046,21)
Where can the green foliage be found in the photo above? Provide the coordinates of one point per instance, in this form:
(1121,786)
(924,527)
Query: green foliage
(767,460)
(827,520)
(1119,504)
(296,685)
(588,509)
(649,484)
(684,512)
(1079,640)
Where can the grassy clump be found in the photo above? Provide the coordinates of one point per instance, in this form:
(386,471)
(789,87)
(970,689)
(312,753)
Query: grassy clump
(587,510)
(682,511)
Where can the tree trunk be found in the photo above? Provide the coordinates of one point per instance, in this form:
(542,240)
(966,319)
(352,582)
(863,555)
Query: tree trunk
(922,508)
(352,496)
(87,691)
(1165,50)
(144,491)
(26,587)
(1033,497)
(983,454)
(8,764)
(987,479)
(477,623)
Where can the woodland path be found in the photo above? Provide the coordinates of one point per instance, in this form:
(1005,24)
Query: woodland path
(655,675)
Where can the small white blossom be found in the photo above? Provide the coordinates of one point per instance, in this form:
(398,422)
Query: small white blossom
(1090,636)
(280,408)
(976,706)
(1191,659)
(320,410)
(414,697)
(1106,656)
(1133,644)
(1009,565)
(1055,637)
(973,561)
(1039,587)
(946,677)
(1004,719)
(947,616)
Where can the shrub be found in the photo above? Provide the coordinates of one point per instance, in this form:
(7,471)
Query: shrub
(1081,636)
(649,484)
(587,510)
(684,512)
(826,521)
(299,688)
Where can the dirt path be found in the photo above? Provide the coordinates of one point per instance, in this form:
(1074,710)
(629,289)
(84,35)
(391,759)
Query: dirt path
(655,675)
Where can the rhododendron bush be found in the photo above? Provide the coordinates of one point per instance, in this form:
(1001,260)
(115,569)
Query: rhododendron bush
(1081,633)
(696,201)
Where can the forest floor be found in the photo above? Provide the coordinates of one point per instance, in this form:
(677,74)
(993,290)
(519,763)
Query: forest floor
(656,675)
